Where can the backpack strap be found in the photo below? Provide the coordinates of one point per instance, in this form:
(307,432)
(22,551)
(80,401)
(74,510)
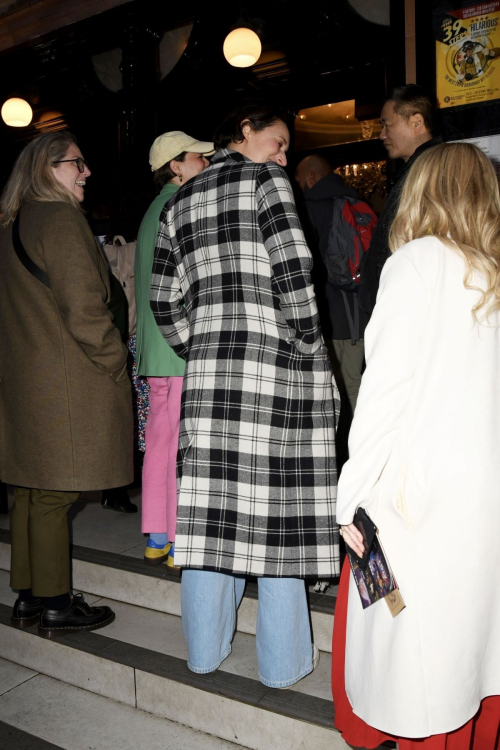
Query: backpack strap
(23,256)
(352,320)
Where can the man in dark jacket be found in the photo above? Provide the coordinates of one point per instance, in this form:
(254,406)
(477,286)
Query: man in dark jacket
(342,321)
(407,123)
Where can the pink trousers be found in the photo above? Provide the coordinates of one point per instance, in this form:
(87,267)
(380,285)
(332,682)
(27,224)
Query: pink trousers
(159,482)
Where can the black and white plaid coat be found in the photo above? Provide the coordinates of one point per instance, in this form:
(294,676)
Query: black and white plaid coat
(231,293)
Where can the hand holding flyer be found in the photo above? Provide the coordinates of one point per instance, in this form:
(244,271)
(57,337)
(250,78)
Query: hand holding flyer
(372,573)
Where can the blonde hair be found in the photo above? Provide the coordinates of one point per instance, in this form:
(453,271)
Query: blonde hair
(32,178)
(451,192)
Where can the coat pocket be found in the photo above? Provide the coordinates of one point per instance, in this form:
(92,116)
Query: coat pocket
(408,495)
(121,378)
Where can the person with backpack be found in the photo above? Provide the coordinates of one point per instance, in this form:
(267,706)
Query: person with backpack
(343,226)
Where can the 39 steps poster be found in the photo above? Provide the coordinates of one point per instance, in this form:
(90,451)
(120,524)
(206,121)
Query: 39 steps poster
(468,55)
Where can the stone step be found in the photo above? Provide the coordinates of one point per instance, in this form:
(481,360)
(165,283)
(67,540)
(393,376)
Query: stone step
(162,633)
(32,718)
(128,579)
(139,661)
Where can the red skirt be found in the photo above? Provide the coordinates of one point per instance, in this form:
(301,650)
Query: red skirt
(480,733)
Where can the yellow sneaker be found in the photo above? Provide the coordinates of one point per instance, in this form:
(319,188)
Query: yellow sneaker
(170,558)
(154,555)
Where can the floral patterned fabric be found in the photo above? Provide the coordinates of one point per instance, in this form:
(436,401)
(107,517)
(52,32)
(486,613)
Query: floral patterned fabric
(140,397)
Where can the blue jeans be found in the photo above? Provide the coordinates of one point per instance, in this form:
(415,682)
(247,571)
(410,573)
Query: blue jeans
(209,602)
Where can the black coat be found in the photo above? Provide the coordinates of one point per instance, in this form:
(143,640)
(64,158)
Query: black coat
(373,261)
(331,302)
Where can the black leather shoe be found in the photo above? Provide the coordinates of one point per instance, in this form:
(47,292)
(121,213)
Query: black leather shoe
(118,499)
(26,613)
(78,616)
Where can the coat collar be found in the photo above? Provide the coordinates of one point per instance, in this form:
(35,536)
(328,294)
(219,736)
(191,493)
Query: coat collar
(403,171)
(423,147)
(227,154)
(168,189)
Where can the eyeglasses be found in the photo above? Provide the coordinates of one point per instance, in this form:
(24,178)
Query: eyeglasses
(80,163)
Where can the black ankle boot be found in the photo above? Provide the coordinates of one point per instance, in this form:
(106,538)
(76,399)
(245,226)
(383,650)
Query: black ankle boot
(119,500)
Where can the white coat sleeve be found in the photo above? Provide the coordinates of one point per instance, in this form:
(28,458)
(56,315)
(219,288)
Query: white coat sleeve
(392,342)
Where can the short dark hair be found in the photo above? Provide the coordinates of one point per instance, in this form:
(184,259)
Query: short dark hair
(165,174)
(412,100)
(259,115)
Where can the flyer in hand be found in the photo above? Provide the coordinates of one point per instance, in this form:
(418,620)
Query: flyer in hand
(372,573)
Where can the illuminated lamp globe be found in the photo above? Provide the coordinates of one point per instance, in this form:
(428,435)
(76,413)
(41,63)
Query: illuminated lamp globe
(17,113)
(242,48)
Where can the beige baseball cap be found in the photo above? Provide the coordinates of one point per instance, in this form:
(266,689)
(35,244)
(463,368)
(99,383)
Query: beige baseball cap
(170,145)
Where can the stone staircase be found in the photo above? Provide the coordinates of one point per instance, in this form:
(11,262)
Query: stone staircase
(140,659)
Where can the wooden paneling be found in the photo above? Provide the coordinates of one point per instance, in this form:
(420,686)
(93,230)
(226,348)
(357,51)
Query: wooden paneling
(25,20)
(410,44)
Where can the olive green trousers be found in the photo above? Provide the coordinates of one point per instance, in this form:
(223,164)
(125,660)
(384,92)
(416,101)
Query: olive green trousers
(347,362)
(40,541)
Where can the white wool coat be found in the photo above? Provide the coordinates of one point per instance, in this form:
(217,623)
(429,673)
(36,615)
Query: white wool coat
(425,462)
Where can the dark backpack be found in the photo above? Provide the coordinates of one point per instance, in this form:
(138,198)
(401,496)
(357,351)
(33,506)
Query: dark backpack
(349,238)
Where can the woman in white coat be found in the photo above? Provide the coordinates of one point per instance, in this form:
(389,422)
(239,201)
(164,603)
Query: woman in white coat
(425,463)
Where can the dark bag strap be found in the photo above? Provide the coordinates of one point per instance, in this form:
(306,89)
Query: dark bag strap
(24,257)
(353,321)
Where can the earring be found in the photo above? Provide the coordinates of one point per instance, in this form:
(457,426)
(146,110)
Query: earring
(180,177)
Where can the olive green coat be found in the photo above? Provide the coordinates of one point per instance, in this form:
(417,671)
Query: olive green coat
(65,396)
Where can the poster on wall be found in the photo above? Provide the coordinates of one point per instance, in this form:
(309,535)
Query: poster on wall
(490,144)
(468,55)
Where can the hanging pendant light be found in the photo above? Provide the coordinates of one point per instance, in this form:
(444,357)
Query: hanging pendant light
(17,113)
(242,48)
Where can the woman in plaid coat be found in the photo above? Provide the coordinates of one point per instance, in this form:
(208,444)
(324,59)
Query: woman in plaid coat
(231,293)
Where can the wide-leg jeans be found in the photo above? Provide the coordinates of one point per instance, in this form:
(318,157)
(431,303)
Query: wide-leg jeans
(209,603)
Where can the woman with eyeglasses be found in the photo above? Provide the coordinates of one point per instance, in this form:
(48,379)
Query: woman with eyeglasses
(65,399)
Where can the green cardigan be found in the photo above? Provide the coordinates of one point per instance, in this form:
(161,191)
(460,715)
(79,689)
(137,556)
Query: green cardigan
(155,358)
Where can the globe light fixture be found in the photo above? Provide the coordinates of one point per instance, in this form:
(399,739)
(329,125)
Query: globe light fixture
(242,48)
(17,113)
